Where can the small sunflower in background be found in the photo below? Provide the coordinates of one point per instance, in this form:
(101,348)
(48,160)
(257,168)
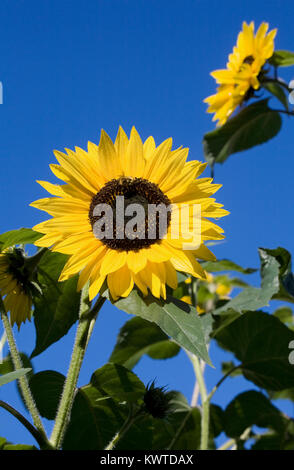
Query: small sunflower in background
(143,174)
(241,78)
(15,286)
(210,290)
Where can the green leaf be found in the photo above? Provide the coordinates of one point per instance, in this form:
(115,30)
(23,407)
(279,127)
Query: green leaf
(138,337)
(261,343)
(95,419)
(285,278)
(177,319)
(93,422)
(254,125)
(2,442)
(6,378)
(216,420)
(15,237)
(19,447)
(226,265)
(273,441)
(118,382)
(58,308)
(278,91)
(248,409)
(286,394)
(46,387)
(285,315)
(7,366)
(282,58)
(252,298)
(182,431)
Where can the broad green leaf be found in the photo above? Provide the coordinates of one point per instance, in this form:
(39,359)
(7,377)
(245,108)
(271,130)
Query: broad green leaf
(95,419)
(138,337)
(178,402)
(18,447)
(46,387)
(17,374)
(182,431)
(216,420)
(16,237)
(278,91)
(273,441)
(282,58)
(3,441)
(177,319)
(7,366)
(118,382)
(285,278)
(226,265)
(254,125)
(286,394)
(285,315)
(252,298)
(261,343)
(251,408)
(182,276)
(57,309)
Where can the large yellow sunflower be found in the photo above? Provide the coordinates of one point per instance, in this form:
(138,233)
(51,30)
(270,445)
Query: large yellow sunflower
(144,174)
(15,287)
(241,78)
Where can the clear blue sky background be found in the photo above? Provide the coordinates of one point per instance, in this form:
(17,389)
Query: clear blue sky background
(70,68)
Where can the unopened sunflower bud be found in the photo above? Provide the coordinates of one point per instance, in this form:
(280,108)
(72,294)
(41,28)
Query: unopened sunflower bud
(157,401)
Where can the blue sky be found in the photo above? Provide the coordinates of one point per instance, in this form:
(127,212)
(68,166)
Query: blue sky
(70,68)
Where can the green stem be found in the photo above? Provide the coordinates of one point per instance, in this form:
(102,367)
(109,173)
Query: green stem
(23,381)
(224,378)
(43,443)
(86,323)
(205,401)
(227,444)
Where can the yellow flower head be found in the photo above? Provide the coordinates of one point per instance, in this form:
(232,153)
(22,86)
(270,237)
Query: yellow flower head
(241,77)
(15,286)
(143,174)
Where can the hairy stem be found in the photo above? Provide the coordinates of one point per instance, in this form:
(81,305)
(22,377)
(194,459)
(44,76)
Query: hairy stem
(23,381)
(205,401)
(86,323)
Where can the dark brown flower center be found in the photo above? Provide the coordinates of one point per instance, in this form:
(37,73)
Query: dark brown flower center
(130,214)
(248,60)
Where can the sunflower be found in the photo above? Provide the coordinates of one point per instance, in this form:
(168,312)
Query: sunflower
(15,286)
(219,285)
(244,70)
(143,174)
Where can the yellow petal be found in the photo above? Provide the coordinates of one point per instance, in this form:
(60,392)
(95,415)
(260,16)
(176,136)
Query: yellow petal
(120,283)
(112,261)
